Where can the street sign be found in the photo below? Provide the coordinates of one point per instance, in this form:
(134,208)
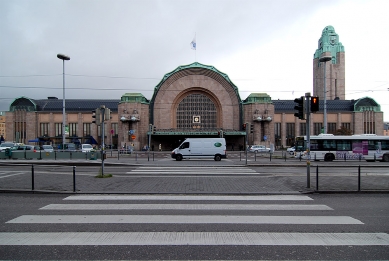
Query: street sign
(264,137)
(133,137)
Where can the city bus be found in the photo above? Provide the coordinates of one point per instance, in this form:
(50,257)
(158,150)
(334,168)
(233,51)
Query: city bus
(329,147)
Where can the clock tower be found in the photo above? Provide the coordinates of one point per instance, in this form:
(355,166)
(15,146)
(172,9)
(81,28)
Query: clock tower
(330,53)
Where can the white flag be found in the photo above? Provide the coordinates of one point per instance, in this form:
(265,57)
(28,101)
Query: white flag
(193,43)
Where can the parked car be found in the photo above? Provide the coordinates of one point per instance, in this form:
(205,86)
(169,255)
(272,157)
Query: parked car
(259,148)
(86,148)
(47,148)
(24,147)
(6,145)
(291,150)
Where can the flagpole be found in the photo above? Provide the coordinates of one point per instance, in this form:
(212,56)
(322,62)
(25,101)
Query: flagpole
(196,48)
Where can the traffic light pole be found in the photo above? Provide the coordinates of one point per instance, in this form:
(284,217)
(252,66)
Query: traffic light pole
(102,108)
(308,130)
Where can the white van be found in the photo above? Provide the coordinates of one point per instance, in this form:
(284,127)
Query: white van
(201,148)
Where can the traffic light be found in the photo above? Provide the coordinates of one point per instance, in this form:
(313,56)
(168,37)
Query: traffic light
(154,129)
(251,128)
(314,104)
(96,115)
(107,114)
(300,107)
(244,126)
(248,127)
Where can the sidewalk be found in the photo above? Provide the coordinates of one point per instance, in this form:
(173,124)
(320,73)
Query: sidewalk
(202,183)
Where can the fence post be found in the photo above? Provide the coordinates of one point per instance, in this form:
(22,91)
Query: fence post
(344,156)
(32,177)
(359,178)
(284,155)
(74,178)
(317,177)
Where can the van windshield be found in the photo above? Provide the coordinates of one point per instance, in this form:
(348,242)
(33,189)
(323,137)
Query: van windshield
(184,145)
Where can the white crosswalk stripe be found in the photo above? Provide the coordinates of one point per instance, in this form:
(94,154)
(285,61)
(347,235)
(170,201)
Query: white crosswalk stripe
(205,213)
(197,171)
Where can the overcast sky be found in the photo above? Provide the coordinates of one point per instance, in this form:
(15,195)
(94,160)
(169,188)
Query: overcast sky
(119,47)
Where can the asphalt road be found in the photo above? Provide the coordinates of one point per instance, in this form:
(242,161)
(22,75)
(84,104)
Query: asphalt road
(194,227)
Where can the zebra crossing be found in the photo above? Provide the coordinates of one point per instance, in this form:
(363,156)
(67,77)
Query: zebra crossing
(205,212)
(151,171)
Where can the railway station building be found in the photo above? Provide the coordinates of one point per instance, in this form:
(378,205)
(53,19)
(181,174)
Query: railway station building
(198,100)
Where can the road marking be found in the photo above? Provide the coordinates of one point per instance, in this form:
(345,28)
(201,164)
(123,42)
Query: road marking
(184,207)
(192,238)
(16,174)
(195,170)
(182,219)
(189,197)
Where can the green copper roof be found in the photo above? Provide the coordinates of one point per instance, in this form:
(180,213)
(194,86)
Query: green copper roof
(195,65)
(258,98)
(133,98)
(366,104)
(329,42)
(23,103)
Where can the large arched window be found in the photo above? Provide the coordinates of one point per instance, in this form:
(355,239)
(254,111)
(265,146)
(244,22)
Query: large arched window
(196,111)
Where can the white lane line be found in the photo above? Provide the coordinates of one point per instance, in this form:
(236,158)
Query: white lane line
(189,197)
(198,172)
(184,207)
(16,174)
(195,168)
(191,238)
(182,219)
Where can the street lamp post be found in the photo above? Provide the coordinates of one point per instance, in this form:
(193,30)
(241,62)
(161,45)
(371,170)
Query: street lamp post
(63,58)
(325,59)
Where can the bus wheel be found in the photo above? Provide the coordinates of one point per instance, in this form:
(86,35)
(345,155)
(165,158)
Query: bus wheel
(218,158)
(385,158)
(329,157)
(179,157)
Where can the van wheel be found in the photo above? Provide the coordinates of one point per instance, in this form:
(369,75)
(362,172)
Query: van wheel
(218,158)
(178,157)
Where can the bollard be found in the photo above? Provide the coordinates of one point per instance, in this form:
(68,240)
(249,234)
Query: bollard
(284,156)
(255,156)
(317,178)
(136,156)
(118,154)
(74,178)
(32,177)
(359,177)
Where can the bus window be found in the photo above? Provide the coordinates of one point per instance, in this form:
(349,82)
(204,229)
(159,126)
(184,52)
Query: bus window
(343,145)
(329,144)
